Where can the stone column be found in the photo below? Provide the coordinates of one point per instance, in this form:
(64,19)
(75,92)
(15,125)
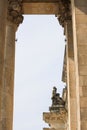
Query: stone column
(71,78)
(79,18)
(14,18)
(3,14)
(64,18)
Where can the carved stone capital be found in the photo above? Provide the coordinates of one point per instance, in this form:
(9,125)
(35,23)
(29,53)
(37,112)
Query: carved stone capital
(15,11)
(64,13)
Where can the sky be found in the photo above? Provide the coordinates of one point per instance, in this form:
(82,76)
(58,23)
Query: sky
(38,67)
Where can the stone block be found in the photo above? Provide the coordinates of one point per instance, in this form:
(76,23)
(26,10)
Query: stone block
(81,28)
(84,125)
(83,81)
(82,59)
(83,70)
(83,102)
(82,50)
(84,91)
(80,19)
(82,37)
(83,114)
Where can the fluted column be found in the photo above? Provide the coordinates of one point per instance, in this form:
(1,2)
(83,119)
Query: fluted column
(3,14)
(14,18)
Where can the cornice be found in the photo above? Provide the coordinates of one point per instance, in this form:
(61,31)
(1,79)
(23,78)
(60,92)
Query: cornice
(53,117)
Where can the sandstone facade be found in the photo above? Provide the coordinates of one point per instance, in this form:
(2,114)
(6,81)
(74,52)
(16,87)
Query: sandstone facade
(72,16)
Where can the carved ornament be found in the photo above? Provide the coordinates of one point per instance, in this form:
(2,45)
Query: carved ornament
(64,13)
(15,11)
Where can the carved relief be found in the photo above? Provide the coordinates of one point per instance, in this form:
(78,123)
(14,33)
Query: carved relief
(55,117)
(15,11)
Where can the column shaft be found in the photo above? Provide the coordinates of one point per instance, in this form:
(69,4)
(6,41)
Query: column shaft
(14,18)
(71,78)
(3,14)
(8,91)
(79,13)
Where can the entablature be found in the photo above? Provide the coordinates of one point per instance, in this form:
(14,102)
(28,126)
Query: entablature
(60,8)
(40,8)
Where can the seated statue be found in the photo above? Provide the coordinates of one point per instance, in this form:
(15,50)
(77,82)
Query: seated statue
(56,99)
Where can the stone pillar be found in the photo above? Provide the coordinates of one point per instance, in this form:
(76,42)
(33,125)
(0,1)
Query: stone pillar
(14,18)
(71,78)
(9,75)
(3,14)
(64,18)
(79,18)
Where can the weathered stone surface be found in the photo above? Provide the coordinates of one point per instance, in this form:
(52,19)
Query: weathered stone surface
(40,8)
(83,81)
(84,114)
(81,19)
(56,120)
(82,59)
(81,28)
(8,49)
(47,1)
(84,125)
(83,103)
(81,3)
(9,73)
(83,70)
(3,14)
(55,117)
(76,69)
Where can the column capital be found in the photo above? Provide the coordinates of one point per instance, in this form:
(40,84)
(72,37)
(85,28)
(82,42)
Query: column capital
(15,11)
(64,13)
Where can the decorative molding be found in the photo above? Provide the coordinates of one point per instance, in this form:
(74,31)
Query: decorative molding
(15,11)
